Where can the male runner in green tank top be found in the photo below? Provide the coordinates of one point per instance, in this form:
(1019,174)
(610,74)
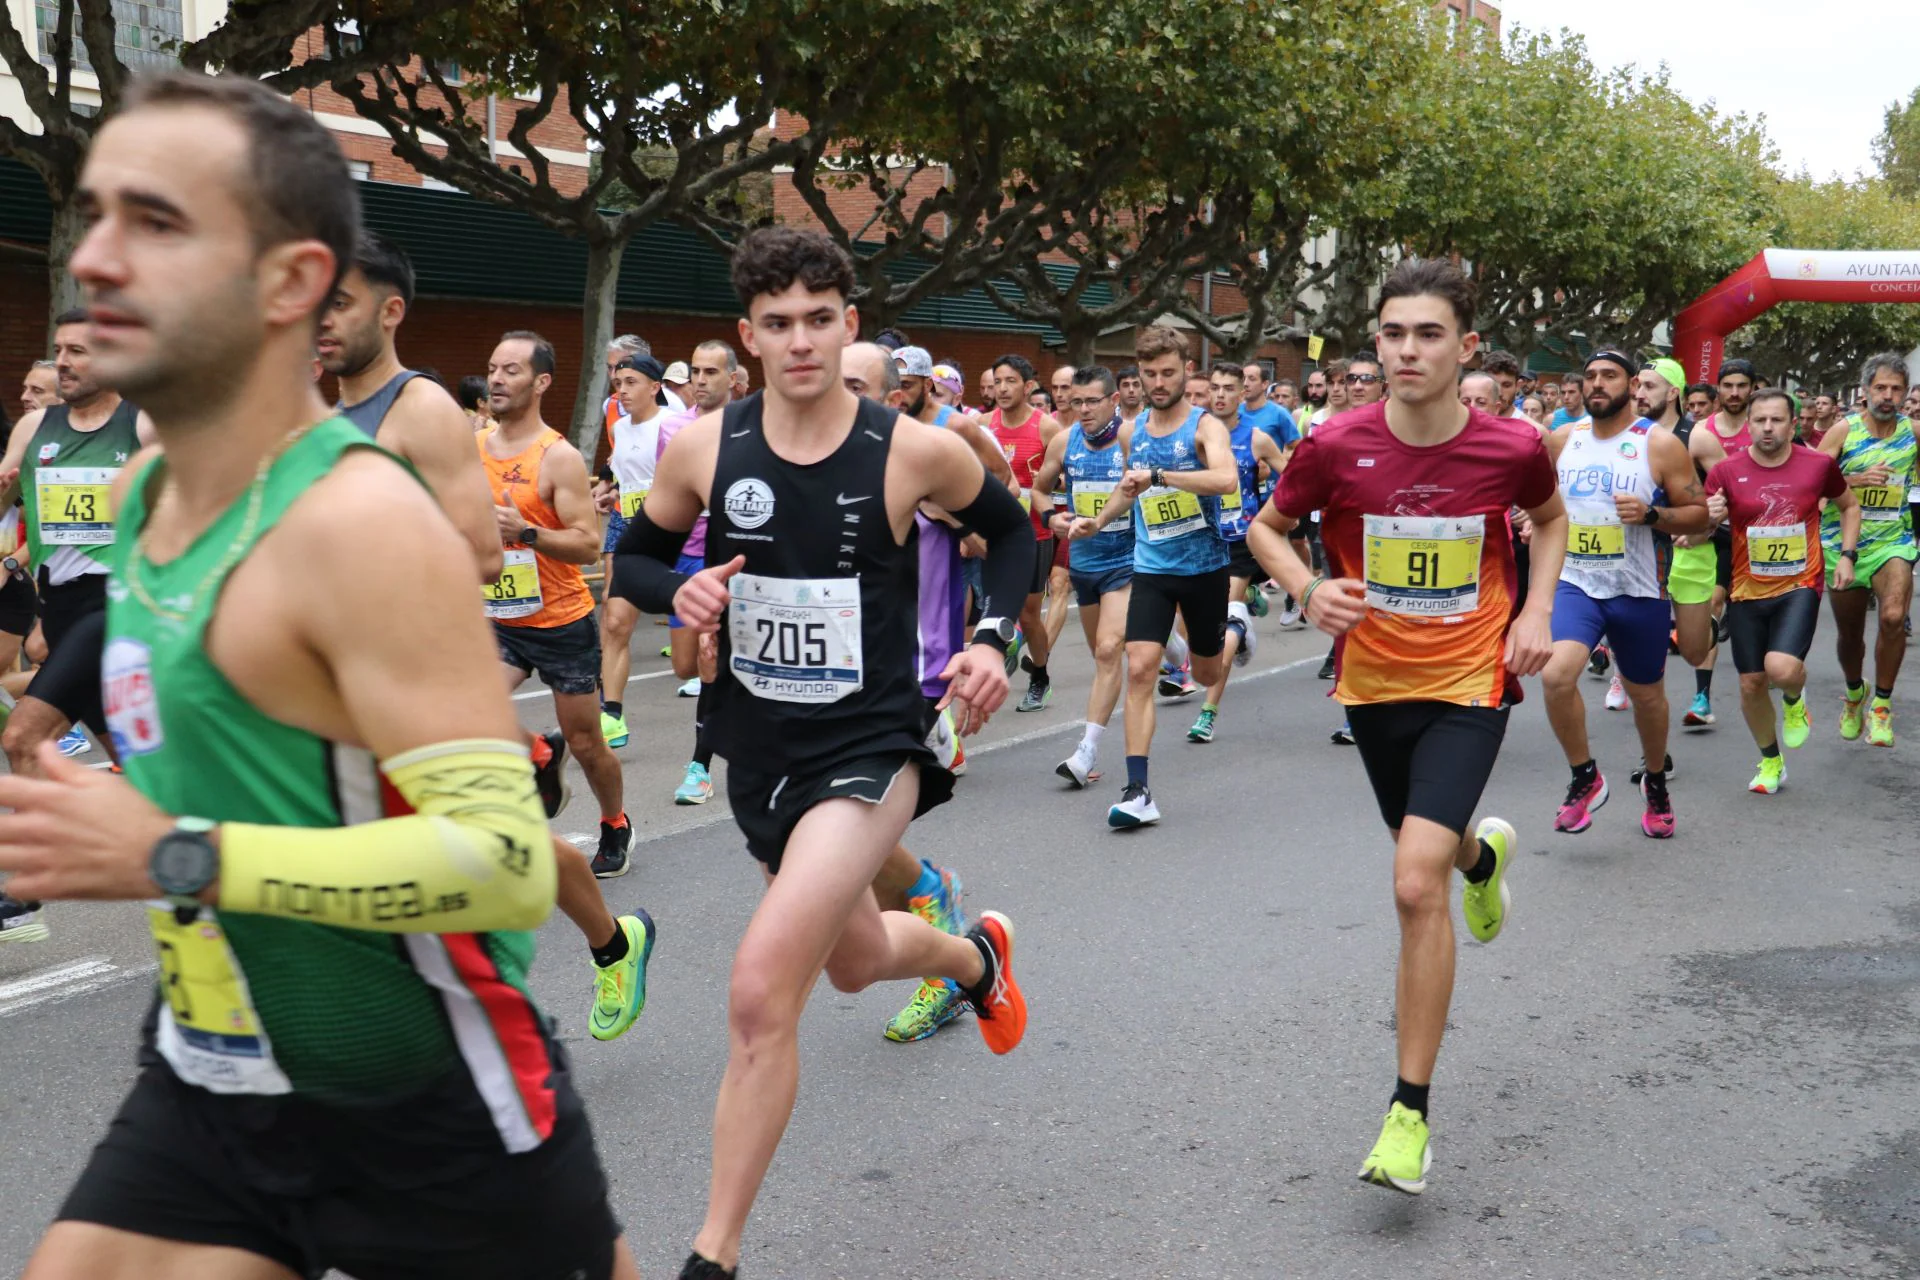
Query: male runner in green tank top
(327,806)
(1876,451)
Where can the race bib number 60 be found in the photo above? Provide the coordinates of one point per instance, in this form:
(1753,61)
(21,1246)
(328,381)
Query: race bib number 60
(1424,566)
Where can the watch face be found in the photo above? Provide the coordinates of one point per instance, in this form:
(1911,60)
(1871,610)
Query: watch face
(182,863)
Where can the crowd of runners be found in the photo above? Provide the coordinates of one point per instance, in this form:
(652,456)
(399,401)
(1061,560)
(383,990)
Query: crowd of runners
(339,833)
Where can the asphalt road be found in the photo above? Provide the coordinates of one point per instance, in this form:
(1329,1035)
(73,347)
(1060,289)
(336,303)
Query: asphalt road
(1690,1059)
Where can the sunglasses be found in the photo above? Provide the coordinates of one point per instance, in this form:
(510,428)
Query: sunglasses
(1363,377)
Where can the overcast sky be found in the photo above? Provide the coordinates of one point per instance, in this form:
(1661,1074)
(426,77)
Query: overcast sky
(1822,71)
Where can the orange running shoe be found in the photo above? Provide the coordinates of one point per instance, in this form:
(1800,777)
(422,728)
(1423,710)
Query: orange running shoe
(1001,1009)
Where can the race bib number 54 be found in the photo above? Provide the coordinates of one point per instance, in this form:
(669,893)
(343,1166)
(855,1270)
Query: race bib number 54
(1424,566)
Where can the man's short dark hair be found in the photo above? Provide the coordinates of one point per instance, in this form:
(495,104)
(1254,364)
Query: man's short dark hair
(1095,374)
(1016,362)
(385,264)
(72,315)
(1435,278)
(1499,362)
(1363,356)
(1287,382)
(542,358)
(714,344)
(770,259)
(472,392)
(1706,389)
(1228,367)
(1126,371)
(293,182)
(1774,393)
(1572,377)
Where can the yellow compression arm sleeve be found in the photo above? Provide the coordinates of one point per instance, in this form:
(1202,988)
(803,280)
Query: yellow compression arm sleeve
(474,856)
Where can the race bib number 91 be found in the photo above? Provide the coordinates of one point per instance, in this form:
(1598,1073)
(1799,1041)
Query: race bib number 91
(1424,566)
(795,639)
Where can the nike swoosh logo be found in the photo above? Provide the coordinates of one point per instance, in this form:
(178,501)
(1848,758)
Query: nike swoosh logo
(841,782)
(735,435)
(845,501)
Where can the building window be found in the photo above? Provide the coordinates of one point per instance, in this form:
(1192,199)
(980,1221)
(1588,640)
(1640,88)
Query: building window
(360,170)
(146,33)
(432,183)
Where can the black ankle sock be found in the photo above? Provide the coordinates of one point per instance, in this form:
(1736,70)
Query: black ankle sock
(1040,677)
(1586,772)
(1411,1096)
(1885,695)
(1769,752)
(1703,681)
(615,950)
(1790,699)
(614,709)
(1482,871)
(979,989)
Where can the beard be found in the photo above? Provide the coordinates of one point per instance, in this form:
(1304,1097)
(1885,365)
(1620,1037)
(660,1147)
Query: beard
(1606,408)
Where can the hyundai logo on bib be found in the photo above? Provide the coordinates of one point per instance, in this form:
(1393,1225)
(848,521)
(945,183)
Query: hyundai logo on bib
(749,503)
(126,682)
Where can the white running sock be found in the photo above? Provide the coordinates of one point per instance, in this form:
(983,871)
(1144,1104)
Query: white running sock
(1177,652)
(1090,740)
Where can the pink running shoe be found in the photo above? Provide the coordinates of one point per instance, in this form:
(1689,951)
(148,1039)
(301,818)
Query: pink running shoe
(1657,822)
(1576,814)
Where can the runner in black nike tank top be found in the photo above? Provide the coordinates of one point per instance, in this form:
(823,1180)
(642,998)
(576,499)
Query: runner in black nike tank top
(812,557)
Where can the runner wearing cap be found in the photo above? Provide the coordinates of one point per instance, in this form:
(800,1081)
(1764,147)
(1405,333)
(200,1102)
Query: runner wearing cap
(1770,493)
(1621,478)
(676,381)
(1875,451)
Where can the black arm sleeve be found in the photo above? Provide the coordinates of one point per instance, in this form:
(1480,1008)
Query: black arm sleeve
(1007,571)
(643,563)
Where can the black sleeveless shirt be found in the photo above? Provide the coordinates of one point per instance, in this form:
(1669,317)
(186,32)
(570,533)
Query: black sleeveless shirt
(817,654)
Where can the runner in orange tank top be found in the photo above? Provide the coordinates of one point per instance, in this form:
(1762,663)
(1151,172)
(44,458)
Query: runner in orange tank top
(541,609)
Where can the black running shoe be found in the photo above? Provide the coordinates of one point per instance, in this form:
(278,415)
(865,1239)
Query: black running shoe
(699,1268)
(611,859)
(1599,661)
(552,778)
(1641,772)
(1326,668)
(21,921)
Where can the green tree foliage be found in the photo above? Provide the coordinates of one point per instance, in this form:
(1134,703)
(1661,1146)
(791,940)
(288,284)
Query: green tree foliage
(1897,149)
(1821,345)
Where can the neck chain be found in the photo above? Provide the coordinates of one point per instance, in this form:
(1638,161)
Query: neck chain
(236,547)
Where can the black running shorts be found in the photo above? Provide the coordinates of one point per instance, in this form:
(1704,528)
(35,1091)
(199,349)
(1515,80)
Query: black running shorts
(1782,624)
(1428,759)
(1200,598)
(767,806)
(19,606)
(74,620)
(566,657)
(420,1190)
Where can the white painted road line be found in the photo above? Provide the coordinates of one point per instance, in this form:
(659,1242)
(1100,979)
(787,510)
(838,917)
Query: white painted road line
(90,973)
(543,691)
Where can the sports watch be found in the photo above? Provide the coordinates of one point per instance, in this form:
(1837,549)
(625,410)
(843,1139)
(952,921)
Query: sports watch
(184,861)
(998,632)
(529,535)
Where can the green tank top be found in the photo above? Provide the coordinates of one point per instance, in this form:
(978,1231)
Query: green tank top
(66,481)
(1886,521)
(340,1015)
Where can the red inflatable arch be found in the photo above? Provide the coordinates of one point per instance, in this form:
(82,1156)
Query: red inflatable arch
(1788,275)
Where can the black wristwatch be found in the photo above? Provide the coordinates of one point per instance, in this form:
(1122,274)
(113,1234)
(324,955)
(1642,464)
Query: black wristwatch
(998,632)
(184,862)
(529,535)
(1652,517)
(1157,478)
(1852,554)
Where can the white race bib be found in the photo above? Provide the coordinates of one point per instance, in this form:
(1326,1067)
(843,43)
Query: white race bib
(795,639)
(1424,566)
(209,1031)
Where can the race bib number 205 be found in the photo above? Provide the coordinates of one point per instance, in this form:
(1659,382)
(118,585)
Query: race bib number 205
(795,639)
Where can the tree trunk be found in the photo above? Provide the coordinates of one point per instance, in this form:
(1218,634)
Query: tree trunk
(64,237)
(1080,342)
(603,282)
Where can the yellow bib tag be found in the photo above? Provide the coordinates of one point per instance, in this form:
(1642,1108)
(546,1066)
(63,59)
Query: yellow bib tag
(1881,502)
(211,1035)
(76,505)
(1230,504)
(1597,542)
(1424,566)
(1088,504)
(1776,550)
(631,500)
(1169,513)
(516,592)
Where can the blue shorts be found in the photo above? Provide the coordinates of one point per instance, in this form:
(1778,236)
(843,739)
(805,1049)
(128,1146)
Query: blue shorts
(1635,628)
(688,565)
(1090,586)
(616,525)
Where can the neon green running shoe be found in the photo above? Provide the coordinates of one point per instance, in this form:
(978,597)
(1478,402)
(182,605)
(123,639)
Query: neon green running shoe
(1403,1155)
(1850,714)
(1795,724)
(620,989)
(1485,905)
(1202,730)
(1880,724)
(933,1006)
(1256,600)
(1773,773)
(614,731)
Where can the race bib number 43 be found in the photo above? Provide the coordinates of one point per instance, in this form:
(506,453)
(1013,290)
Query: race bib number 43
(795,639)
(1776,550)
(1424,566)
(75,505)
